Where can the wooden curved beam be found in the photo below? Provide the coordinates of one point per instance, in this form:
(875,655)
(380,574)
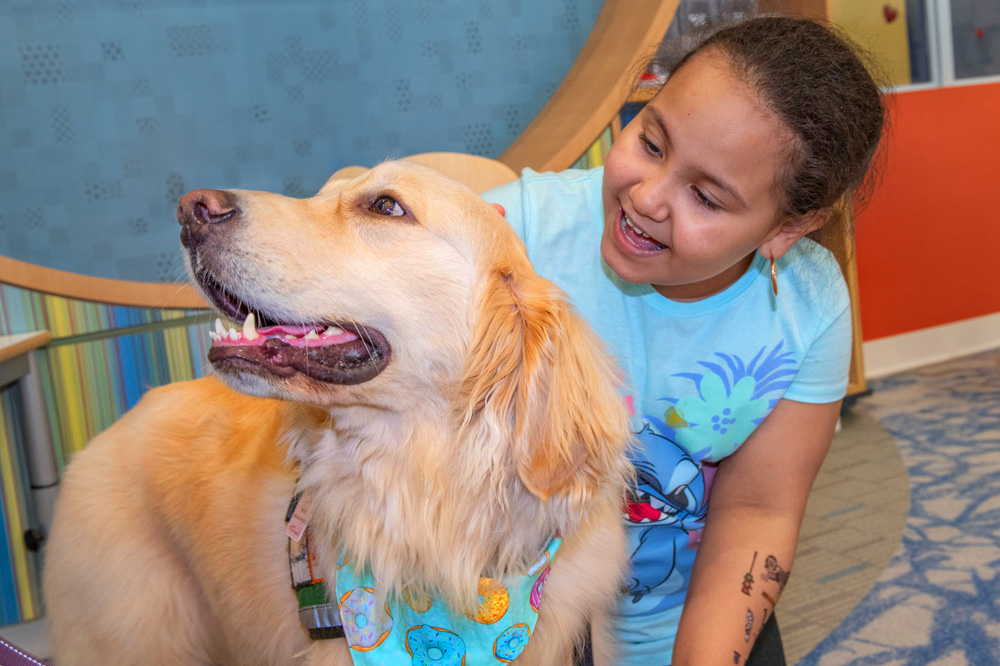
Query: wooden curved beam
(625,34)
(100,290)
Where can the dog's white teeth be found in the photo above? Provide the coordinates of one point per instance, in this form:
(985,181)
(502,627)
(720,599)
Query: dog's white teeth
(290,337)
(312,335)
(333,330)
(250,327)
(219,328)
(233,335)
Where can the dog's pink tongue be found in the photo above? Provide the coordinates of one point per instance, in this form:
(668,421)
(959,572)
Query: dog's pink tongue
(308,336)
(286,329)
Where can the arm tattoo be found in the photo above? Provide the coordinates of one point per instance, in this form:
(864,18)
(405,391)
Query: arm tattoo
(748,577)
(772,571)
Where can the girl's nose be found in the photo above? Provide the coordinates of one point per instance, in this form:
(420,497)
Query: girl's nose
(649,199)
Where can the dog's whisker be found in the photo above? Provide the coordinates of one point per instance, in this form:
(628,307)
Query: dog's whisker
(371,342)
(368,343)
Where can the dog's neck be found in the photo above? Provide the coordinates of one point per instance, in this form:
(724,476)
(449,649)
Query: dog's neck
(397,492)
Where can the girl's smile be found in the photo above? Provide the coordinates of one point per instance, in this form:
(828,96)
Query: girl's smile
(631,238)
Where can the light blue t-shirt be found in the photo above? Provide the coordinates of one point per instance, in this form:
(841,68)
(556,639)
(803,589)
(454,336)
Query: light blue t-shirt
(700,376)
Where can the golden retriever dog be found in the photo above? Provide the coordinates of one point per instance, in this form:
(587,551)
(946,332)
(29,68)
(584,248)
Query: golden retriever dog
(401,364)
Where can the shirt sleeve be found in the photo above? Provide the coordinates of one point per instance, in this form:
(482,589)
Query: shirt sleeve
(511,197)
(823,375)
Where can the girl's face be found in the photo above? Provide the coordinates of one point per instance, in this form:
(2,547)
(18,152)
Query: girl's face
(689,185)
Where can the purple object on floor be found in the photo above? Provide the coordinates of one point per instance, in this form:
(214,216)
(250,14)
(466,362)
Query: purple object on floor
(11,655)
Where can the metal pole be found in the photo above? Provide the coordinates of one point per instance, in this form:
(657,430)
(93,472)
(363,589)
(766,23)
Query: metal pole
(43,472)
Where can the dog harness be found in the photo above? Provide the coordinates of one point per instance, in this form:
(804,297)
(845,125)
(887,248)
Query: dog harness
(317,614)
(416,630)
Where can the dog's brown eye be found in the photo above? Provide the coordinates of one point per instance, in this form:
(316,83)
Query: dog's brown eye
(386,205)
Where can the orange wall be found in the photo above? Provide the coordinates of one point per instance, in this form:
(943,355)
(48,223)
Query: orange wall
(928,244)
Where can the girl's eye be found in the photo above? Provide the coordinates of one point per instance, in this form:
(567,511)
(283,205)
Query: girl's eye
(705,201)
(386,205)
(649,146)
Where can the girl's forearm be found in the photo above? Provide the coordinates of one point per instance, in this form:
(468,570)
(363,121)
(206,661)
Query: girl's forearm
(741,569)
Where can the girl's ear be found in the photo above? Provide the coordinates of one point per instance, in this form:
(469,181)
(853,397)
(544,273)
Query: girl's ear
(792,229)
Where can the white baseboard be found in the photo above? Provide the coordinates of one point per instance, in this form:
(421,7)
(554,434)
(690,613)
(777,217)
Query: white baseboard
(906,351)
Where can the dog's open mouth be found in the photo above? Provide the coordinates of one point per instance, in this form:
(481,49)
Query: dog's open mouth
(331,352)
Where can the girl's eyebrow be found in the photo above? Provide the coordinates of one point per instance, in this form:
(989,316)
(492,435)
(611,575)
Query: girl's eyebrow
(654,113)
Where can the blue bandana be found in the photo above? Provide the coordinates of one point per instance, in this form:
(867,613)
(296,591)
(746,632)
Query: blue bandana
(413,631)
(420,631)
(424,632)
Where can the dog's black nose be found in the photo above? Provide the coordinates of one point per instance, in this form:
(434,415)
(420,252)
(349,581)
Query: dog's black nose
(202,212)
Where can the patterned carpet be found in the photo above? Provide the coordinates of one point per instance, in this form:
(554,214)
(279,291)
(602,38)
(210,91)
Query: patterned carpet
(852,527)
(938,601)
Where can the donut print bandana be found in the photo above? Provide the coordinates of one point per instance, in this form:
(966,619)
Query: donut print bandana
(418,631)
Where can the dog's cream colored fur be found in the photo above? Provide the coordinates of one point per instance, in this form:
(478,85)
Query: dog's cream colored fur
(496,423)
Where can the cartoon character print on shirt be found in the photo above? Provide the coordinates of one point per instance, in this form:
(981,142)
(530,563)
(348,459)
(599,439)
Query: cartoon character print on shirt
(670,487)
(676,462)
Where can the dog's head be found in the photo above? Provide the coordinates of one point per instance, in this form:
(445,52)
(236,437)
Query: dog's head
(366,283)
(403,290)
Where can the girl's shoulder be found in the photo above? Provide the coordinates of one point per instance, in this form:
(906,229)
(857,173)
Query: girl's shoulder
(812,273)
(539,204)
(546,184)
(809,258)
(555,178)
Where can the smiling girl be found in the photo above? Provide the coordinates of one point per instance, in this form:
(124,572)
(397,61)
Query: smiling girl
(687,252)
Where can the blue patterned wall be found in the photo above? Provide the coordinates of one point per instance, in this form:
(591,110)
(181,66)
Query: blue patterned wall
(110,110)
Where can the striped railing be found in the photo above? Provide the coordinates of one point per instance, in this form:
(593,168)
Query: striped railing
(101,360)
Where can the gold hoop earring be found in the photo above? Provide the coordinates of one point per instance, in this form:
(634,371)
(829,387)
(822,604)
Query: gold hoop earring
(774,277)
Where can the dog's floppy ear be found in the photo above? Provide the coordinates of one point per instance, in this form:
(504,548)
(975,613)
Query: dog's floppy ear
(538,375)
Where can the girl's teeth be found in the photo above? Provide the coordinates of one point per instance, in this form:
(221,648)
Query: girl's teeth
(635,228)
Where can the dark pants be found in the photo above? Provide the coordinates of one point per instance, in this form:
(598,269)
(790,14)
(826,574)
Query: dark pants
(767,649)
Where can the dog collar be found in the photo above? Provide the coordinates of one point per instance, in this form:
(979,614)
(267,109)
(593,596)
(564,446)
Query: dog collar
(319,615)
(415,630)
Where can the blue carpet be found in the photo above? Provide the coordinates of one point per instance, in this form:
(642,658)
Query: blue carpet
(938,601)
